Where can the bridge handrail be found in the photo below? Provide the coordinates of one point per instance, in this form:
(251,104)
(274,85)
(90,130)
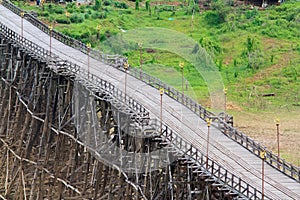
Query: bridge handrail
(138,112)
(217,172)
(226,128)
(117,61)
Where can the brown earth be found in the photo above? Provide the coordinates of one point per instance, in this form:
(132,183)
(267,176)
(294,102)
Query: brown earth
(262,128)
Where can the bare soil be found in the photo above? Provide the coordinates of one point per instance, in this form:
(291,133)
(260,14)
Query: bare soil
(262,128)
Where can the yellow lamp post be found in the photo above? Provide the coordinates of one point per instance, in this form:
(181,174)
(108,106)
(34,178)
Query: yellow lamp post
(50,33)
(126,65)
(67,14)
(208,121)
(263,158)
(277,127)
(181,65)
(98,32)
(161,92)
(22,22)
(225,104)
(140,44)
(88,45)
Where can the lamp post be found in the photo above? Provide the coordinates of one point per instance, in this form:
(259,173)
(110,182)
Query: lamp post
(277,127)
(208,121)
(263,158)
(88,45)
(225,104)
(140,44)
(22,22)
(98,33)
(181,65)
(126,65)
(161,92)
(67,14)
(50,33)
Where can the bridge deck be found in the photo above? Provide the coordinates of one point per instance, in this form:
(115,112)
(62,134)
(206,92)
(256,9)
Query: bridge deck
(222,149)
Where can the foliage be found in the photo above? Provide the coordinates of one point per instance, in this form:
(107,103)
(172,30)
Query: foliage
(76,18)
(137,7)
(98,5)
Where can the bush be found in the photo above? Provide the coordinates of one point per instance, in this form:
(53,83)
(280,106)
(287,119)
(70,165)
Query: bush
(63,20)
(77,18)
(44,14)
(212,18)
(58,10)
(120,5)
(107,2)
(99,15)
(98,5)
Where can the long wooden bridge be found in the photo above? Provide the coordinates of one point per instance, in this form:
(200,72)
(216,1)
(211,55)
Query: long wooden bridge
(54,96)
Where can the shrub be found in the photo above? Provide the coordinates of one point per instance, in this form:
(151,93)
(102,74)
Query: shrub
(63,20)
(58,10)
(77,18)
(107,2)
(120,5)
(44,14)
(99,15)
(98,5)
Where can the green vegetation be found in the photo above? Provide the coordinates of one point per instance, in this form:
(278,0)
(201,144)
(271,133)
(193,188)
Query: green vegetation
(256,51)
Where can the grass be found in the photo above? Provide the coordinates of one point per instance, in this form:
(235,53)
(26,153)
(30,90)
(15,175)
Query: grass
(256,51)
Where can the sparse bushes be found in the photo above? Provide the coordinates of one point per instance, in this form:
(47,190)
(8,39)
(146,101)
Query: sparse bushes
(76,18)
(120,5)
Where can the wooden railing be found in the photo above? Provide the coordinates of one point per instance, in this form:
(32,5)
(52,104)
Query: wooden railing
(220,175)
(225,126)
(94,83)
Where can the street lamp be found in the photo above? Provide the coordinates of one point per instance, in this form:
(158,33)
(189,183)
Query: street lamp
(208,121)
(277,126)
(22,22)
(263,158)
(225,104)
(98,33)
(50,33)
(126,65)
(181,65)
(140,44)
(161,92)
(88,45)
(67,14)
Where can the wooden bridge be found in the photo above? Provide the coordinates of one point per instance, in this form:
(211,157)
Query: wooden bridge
(52,148)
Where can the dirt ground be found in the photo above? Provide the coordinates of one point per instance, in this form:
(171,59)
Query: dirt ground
(262,128)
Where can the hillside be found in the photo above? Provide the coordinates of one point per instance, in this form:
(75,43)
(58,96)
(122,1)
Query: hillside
(256,51)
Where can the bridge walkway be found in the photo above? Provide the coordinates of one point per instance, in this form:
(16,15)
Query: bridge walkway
(222,149)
